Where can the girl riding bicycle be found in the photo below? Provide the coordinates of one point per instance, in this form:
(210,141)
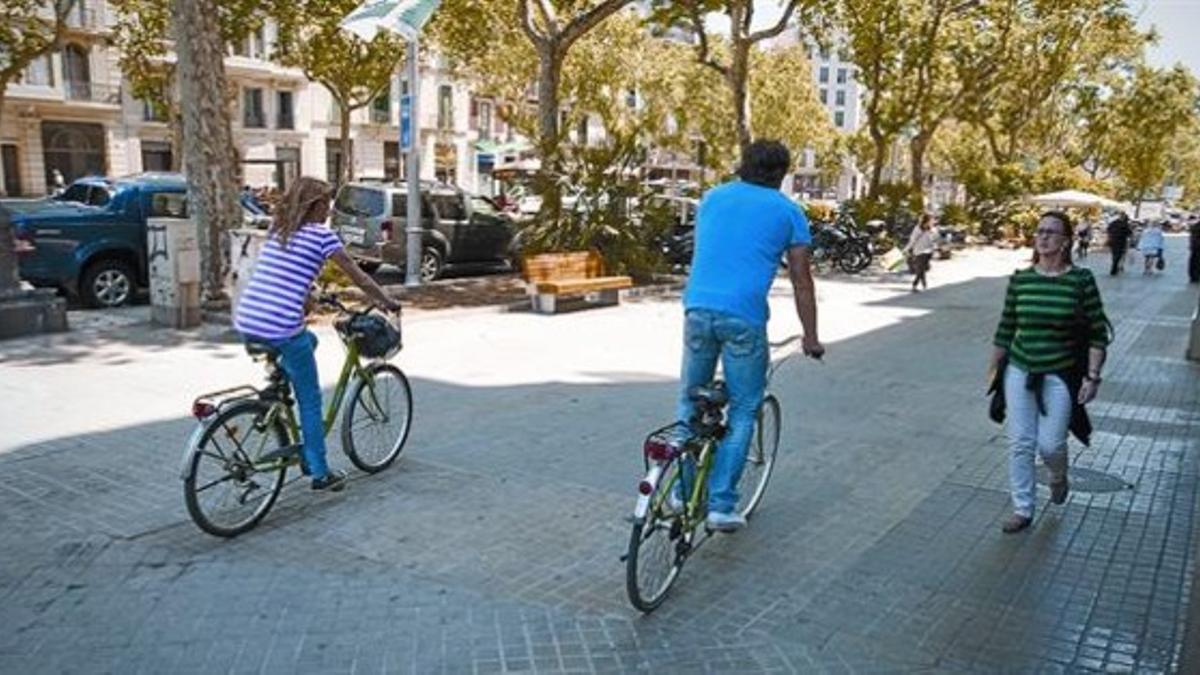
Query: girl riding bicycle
(272,308)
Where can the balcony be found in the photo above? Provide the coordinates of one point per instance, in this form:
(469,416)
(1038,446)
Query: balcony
(84,19)
(92,92)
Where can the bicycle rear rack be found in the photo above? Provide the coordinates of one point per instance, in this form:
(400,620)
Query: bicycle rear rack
(207,405)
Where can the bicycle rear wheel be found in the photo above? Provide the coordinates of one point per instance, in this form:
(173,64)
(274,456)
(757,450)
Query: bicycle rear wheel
(378,418)
(760,458)
(224,492)
(658,546)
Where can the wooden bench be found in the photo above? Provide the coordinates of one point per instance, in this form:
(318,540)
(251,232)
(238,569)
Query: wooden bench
(573,274)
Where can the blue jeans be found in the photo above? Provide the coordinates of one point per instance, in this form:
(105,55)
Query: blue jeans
(1030,433)
(298,360)
(742,348)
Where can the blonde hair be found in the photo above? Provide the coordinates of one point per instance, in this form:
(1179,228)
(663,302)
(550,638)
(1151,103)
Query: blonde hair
(296,206)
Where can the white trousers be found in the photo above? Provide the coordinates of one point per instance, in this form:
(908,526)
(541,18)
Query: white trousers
(1030,432)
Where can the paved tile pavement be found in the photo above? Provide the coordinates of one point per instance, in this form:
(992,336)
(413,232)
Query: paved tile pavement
(494,546)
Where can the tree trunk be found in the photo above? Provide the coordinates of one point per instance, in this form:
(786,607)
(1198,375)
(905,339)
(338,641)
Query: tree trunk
(881,151)
(549,78)
(346,172)
(916,148)
(207,138)
(10,283)
(176,121)
(739,76)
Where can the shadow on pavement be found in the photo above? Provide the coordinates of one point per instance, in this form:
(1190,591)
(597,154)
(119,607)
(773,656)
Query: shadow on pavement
(500,529)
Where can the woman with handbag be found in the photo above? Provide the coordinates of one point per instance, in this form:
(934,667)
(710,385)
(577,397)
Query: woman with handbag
(1049,350)
(1151,246)
(921,245)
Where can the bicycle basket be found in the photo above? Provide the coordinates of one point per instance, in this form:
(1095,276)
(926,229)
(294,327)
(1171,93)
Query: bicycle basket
(377,337)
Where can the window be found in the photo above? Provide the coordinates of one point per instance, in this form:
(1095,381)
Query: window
(153,111)
(840,98)
(824,96)
(285,116)
(449,207)
(381,107)
(485,120)
(334,159)
(360,201)
(40,72)
(824,52)
(445,107)
(631,99)
(156,156)
(258,43)
(400,207)
(391,160)
(12,170)
(581,132)
(252,109)
(841,76)
(824,78)
(839,119)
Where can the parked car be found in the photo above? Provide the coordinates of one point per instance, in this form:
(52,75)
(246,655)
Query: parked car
(90,239)
(458,229)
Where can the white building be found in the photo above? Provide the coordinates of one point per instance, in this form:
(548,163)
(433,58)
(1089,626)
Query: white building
(839,91)
(72,114)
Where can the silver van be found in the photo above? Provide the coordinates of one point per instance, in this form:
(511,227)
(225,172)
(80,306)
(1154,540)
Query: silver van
(459,229)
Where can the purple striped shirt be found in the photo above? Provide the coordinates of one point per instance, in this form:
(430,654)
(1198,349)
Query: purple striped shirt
(272,306)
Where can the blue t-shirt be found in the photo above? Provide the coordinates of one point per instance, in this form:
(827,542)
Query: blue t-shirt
(742,232)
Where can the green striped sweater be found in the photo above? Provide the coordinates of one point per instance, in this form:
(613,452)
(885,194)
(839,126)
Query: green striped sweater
(1039,312)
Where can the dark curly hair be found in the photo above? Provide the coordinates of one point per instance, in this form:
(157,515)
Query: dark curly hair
(765,163)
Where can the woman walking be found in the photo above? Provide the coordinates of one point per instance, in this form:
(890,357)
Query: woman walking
(1049,351)
(1151,246)
(921,245)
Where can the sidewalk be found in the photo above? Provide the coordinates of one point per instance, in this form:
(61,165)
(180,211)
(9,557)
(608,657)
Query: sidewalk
(493,546)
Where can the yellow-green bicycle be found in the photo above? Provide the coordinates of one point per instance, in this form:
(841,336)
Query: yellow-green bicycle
(237,459)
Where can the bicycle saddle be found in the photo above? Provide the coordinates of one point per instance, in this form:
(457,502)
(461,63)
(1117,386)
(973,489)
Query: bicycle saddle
(258,349)
(716,395)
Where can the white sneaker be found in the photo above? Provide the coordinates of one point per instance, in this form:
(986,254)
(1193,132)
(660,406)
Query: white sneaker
(725,522)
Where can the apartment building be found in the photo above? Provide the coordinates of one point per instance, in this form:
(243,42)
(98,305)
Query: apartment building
(70,115)
(833,77)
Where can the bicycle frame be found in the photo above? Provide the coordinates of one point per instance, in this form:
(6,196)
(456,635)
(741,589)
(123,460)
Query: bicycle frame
(351,366)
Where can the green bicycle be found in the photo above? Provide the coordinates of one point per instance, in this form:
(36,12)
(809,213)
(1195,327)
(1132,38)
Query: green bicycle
(665,535)
(237,459)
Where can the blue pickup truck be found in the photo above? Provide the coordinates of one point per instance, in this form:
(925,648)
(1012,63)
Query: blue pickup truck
(90,240)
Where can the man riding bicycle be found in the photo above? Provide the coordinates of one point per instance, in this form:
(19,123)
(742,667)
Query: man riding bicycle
(743,229)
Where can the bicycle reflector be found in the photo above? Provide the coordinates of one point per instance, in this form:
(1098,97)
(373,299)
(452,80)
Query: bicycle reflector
(659,449)
(202,409)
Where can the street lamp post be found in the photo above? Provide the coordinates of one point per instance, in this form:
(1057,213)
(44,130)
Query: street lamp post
(405,18)
(412,231)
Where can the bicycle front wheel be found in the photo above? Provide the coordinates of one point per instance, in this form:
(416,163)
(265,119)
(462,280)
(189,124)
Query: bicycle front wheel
(657,548)
(226,494)
(378,418)
(760,457)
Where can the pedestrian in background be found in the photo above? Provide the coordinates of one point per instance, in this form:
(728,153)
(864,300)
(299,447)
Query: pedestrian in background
(1083,235)
(1150,244)
(1194,250)
(1049,350)
(921,245)
(1119,233)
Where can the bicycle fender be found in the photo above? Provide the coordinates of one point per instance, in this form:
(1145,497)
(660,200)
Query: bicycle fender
(193,446)
(643,502)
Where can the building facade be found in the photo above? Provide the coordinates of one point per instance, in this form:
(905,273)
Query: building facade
(71,115)
(834,79)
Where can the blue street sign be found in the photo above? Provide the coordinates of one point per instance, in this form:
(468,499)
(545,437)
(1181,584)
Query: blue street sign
(406,123)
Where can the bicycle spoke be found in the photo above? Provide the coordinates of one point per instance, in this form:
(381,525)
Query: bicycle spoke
(214,483)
